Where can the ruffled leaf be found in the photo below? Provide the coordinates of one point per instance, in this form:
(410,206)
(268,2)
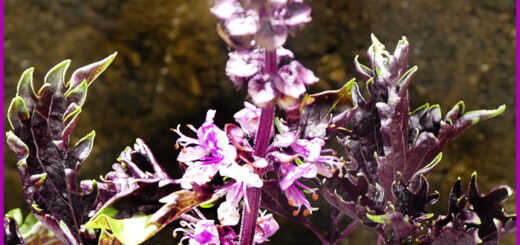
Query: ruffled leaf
(348,195)
(395,149)
(11,233)
(322,113)
(495,221)
(473,217)
(41,124)
(139,198)
(30,231)
(385,138)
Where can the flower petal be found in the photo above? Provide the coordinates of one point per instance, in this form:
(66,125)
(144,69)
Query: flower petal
(194,153)
(224,9)
(261,92)
(228,214)
(243,24)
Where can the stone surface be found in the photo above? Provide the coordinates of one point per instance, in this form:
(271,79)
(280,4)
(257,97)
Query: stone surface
(170,70)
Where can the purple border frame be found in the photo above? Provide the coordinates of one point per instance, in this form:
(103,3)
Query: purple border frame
(2,111)
(517,118)
(517,113)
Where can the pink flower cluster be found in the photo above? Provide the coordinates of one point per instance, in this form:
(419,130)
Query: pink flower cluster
(285,86)
(228,153)
(200,230)
(266,23)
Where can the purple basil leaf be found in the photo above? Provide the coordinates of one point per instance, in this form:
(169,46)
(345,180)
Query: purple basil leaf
(12,235)
(431,134)
(29,231)
(495,221)
(348,195)
(139,186)
(395,149)
(459,215)
(405,216)
(401,226)
(451,235)
(323,113)
(413,201)
(455,227)
(473,217)
(388,107)
(137,169)
(41,124)
(386,141)
(363,140)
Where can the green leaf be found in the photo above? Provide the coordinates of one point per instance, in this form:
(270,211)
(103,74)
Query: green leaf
(17,215)
(129,231)
(17,112)
(78,94)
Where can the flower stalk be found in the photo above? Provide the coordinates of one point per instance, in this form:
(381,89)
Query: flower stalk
(263,136)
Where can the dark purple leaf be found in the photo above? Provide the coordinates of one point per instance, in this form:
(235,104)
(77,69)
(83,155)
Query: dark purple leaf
(395,149)
(404,217)
(452,236)
(12,235)
(27,231)
(386,140)
(348,195)
(495,221)
(412,201)
(431,134)
(139,186)
(363,140)
(401,226)
(322,113)
(473,217)
(41,124)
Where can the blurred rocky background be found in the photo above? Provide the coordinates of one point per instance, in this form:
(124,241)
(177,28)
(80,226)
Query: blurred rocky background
(170,70)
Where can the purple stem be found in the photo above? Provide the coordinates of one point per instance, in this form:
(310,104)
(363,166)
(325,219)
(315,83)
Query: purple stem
(347,230)
(316,233)
(263,136)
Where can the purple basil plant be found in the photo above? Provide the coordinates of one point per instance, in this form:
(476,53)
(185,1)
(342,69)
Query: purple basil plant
(272,162)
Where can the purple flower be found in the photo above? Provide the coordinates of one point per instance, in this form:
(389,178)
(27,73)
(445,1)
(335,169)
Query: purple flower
(268,23)
(210,152)
(262,90)
(203,232)
(248,118)
(243,23)
(244,177)
(228,214)
(243,64)
(224,9)
(289,184)
(286,86)
(310,151)
(198,174)
(266,226)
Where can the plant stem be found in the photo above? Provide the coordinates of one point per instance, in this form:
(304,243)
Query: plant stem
(263,136)
(347,230)
(336,217)
(316,233)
